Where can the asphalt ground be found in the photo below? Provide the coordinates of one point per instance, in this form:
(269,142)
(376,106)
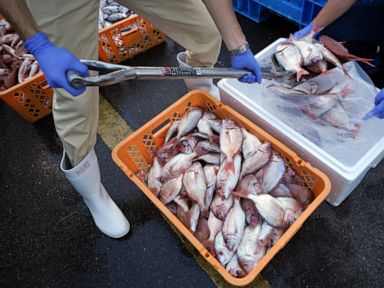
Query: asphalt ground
(48,238)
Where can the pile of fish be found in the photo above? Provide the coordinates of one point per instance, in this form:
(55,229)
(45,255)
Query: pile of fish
(234,192)
(323,107)
(308,55)
(111,12)
(16,65)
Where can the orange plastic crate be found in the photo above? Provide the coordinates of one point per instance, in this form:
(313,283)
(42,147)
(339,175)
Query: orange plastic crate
(134,156)
(127,38)
(32,99)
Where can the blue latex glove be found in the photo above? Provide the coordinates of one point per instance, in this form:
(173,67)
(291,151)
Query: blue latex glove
(55,62)
(305,31)
(247,61)
(378,111)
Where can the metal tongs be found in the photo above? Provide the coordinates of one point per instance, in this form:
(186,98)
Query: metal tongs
(117,73)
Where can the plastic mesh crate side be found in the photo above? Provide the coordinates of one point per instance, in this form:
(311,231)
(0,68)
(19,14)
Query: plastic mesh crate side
(127,38)
(131,155)
(32,99)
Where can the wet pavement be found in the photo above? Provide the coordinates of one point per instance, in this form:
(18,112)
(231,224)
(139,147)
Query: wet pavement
(48,238)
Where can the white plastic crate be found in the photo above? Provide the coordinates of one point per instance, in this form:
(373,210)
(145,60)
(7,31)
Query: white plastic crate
(345,175)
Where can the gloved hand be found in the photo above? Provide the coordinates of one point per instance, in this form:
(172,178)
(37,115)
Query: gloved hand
(55,62)
(378,111)
(306,30)
(246,60)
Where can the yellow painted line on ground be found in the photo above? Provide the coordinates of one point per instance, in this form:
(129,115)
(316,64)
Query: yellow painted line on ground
(112,127)
(112,130)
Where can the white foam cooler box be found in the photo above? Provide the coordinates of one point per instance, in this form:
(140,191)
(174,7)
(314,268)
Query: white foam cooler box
(345,176)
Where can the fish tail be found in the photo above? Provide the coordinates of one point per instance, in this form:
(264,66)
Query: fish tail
(230,166)
(361,59)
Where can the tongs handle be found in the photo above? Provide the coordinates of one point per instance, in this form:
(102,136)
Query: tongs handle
(120,73)
(75,79)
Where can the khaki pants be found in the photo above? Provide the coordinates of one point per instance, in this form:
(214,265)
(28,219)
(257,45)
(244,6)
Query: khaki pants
(73,25)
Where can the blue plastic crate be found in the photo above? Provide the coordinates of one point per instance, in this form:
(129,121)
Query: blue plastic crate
(251,9)
(301,12)
(291,9)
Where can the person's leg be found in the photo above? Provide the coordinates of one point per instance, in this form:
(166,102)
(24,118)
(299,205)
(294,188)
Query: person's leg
(189,24)
(73,25)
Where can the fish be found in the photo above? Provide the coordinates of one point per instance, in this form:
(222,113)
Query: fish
(318,67)
(171,189)
(166,152)
(153,182)
(272,172)
(195,184)
(292,208)
(186,144)
(223,254)
(269,235)
(220,207)
(34,68)
(25,66)
(269,207)
(233,227)
(203,125)
(189,121)
(215,125)
(202,229)
(251,184)
(210,158)
(337,117)
(210,172)
(233,267)
(250,143)
(250,252)
(252,217)
(231,139)
(281,190)
(339,50)
(181,201)
(226,178)
(214,226)
(311,53)
(172,206)
(257,159)
(330,57)
(180,163)
(290,58)
(172,130)
(302,194)
(192,217)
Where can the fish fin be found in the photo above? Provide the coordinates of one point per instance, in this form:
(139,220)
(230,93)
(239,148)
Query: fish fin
(300,73)
(365,60)
(230,166)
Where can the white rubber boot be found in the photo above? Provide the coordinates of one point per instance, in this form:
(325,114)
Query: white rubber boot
(204,84)
(85,178)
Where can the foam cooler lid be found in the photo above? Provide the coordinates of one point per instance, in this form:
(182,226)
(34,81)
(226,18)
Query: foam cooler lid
(349,158)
